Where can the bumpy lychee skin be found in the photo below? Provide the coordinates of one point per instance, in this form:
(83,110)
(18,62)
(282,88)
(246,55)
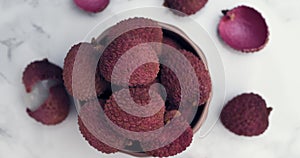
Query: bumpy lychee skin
(93,6)
(55,109)
(135,111)
(96,130)
(244,29)
(188,112)
(168,143)
(40,70)
(171,42)
(81,75)
(127,37)
(246,115)
(185,7)
(145,29)
(173,86)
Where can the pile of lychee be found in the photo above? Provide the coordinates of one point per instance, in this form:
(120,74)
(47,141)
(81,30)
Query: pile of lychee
(133,100)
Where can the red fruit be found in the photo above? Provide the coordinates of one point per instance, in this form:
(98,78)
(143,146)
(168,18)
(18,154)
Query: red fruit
(171,42)
(130,45)
(146,30)
(246,114)
(177,89)
(134,112)
(244,29)
(96,130)
(81,75)
(174,139)
(93,6)
(56,106)
(185,7)
(189,112)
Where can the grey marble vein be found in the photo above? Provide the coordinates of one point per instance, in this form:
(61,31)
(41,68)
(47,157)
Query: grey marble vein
(4,133)
(33,3)
(4,77)
(40,30)
(11,44)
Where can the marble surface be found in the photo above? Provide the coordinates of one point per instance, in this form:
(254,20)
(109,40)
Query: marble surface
(33,29)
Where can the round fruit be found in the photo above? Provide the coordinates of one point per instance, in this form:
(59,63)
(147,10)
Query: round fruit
(81,75)
(185,91)
(176,136)
(185,7)
(171,42)
(96,130)
(133,43)
(93,6)
(246,114)
(135,112)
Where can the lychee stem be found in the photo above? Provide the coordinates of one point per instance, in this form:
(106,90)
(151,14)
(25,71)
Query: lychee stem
(225,11)
(93,42)
(269,110)
(128,143)
(178,114)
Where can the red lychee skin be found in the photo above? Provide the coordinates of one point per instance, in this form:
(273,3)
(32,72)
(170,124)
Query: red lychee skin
(172,86)
(171,42)
(93,6)
(123,37)
(142,75)
(40,70)
(244,29)
(81,74)
(187,112)
(168,134)
(55,109)
(96,130)
(145,29)
(153,86)
(167,43)
(169,115)
(246,115)
(134,126)
(93,141)
(185,7)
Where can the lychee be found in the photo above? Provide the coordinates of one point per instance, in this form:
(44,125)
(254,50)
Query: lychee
(93,6)
(171,42)
(246,114)
(135,112)
(81,74)
(96,130)
(133,43)
(177,89)
(185,7)
(176,136)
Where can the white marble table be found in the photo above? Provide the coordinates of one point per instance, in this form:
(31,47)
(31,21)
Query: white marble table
(33,29)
